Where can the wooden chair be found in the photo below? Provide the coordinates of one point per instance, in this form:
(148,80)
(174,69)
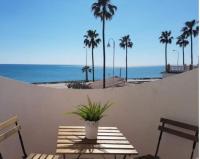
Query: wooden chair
(193,136)
(10,127)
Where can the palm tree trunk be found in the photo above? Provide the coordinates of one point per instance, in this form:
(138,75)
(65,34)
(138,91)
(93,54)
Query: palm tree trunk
(191,51)
(93,63)
(86,75)
(183,57)
(126,64)
(104,54)
(166,57)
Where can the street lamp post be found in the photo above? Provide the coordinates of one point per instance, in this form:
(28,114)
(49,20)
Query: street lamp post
(108,45)
(177,57)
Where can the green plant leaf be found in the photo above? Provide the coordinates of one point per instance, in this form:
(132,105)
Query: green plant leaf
(92,111)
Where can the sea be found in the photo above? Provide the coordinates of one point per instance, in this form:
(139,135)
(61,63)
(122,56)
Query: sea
(58,73)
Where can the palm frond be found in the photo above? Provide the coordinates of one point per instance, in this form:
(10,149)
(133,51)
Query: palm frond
(130,44)
(103,9)
(91,39)
(166,37)
(190,28)
(196,31)
(122,45)
(182,41)
(125,41)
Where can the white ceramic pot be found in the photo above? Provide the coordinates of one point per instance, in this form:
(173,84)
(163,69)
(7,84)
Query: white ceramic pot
(91,129)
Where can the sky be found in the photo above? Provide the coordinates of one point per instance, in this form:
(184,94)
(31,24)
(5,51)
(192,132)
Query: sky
(51,31)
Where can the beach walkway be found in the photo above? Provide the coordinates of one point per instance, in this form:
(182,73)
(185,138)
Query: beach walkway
(110,82)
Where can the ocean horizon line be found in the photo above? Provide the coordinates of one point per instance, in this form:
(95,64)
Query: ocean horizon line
(79,65)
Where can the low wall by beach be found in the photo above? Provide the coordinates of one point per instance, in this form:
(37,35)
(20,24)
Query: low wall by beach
(136,112)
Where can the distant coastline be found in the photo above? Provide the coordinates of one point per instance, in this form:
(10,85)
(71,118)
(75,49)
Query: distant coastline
(57,82)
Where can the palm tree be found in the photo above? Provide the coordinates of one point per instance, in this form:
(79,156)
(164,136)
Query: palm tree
(104,10)
(191,30)
(166,39)
(86,69)
(125,43)
(182,42)
(92,41)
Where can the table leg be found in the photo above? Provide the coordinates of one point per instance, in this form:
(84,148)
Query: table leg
(124,157)
(63,156)
(79,156)
(115,156)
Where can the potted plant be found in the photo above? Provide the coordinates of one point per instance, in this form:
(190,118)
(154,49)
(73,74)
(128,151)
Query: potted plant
(91,113)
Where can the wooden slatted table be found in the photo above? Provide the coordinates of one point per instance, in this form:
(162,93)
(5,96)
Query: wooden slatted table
(110,141)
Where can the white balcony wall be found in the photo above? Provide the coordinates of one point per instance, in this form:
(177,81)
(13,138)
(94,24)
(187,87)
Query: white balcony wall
(136,112)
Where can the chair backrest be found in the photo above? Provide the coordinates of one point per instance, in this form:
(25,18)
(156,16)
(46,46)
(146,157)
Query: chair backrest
(9,128)
(184,130)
